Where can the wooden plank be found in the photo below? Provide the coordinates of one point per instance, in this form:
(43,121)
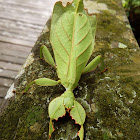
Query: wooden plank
(14,53)
(19,33)
(16,41)
(20,27)
(4,82)
(12,59)
(40,11)
(23,4)
(26,18)
(12,23)
(28,12)
(16,35)
(9,46)
(20,24)
(8,74)
(9,66)
(38,5)
(14,32)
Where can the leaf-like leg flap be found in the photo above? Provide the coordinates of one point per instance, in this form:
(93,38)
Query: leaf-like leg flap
(56,109)
(42,82)
(51,128)
(28,86)
(46,82)
(94,63)
(78,114)
(47,55)
(81,133)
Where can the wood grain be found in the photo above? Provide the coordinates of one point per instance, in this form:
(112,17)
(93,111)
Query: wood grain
(21,22)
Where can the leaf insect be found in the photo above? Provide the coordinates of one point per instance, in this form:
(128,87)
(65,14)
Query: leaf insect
(72,38)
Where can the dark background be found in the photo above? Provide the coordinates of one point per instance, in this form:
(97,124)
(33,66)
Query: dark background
(132,8)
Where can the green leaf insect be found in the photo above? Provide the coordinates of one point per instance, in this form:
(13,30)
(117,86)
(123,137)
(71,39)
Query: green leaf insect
(72,38)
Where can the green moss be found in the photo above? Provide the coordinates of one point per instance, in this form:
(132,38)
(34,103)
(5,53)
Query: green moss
(109,29)
(112,4)
(34,115)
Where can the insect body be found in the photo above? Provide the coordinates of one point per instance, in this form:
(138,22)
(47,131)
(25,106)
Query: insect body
(72,38)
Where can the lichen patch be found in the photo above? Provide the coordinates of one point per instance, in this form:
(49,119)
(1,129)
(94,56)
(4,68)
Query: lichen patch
(97,7)
(10,92)
(122,46)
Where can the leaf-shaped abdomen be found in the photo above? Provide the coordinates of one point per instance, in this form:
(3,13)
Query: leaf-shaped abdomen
(73,45)
(82,47)
(62,43)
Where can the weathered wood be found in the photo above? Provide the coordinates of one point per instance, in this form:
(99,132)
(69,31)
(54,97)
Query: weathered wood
(14,53)
(9,46)
(20,24)
(12,59)
(5,83)
(10,66)
(38,5)
(15,33)
(16,41)
(25,18)
(3,91)
(4,24)
(8,74)
(15,6)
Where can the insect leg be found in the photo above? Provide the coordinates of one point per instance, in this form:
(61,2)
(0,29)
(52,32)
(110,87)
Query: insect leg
(42,82)
(94,63)
(44,52)
(56,109)
(78,114)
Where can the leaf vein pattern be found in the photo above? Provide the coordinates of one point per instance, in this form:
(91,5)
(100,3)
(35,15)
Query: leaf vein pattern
(82,38)
(84,50)
(65,31)
(82,26)
(68,69)
(60,57)
(79,115)
(61,43)
(67,19)
(57,109)
(81,63)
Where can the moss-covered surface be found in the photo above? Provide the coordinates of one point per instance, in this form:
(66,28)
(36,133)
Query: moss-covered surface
(111,100)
